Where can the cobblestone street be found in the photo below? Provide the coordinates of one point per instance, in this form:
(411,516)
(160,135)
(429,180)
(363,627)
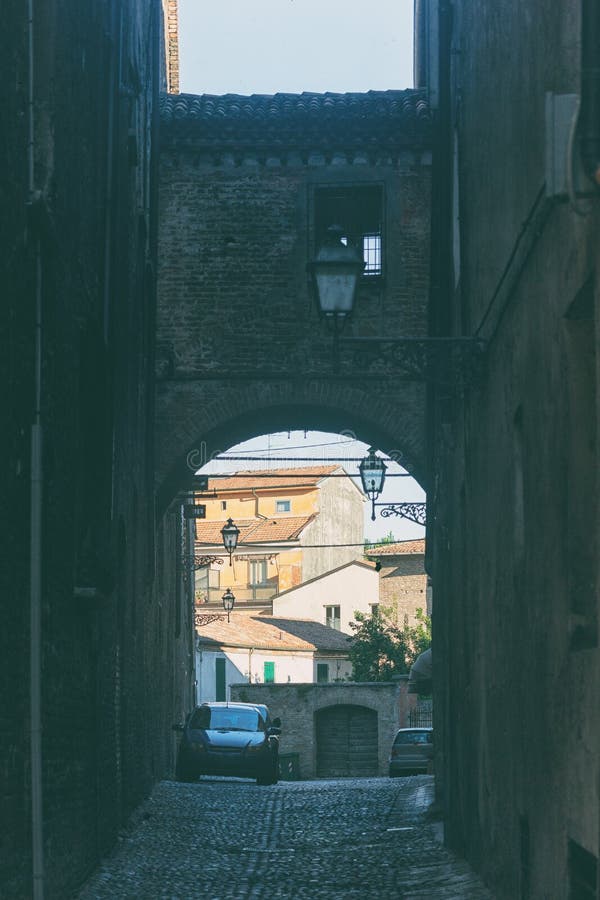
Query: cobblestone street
(220,838)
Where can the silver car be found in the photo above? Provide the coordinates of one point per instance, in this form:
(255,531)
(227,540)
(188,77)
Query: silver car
(412,751)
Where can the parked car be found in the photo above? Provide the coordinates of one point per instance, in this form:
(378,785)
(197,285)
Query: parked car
(412,749)
(237,739)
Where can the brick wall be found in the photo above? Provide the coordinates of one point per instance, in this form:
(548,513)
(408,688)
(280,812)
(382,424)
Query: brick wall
(297,705)
(237,233)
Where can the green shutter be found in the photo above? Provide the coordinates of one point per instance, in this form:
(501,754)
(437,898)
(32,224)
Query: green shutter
(221,688)
(269,672)
(322,673)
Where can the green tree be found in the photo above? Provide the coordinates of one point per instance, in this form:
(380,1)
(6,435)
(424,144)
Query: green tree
(381,649)
(372,545)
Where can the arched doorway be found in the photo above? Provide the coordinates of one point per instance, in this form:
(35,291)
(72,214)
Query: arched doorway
(347,741)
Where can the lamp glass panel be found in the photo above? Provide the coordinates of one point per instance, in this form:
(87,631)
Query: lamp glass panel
(336,289)
(372,477)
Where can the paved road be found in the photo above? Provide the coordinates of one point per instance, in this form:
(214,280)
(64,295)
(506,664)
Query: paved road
(219,839)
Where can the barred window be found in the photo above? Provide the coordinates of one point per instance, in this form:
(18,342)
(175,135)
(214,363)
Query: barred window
(359,212)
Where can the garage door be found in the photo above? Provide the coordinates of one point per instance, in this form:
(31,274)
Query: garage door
(346,742)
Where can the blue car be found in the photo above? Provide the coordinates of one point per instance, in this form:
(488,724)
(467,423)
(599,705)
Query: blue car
(238,739)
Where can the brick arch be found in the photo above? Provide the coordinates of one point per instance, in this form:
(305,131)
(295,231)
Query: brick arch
(196,421)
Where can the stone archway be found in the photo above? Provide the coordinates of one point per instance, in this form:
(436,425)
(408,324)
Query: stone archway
(196,422)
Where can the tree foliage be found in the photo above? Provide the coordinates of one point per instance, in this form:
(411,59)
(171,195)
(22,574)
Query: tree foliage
(381,649)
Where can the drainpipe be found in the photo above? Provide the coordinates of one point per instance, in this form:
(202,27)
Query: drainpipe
(256,498)
(589,116)
(36,494)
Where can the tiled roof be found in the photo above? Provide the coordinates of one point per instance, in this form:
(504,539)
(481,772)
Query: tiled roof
(400,548)
(272,633)
(309,476)
(373,118)
(252,531)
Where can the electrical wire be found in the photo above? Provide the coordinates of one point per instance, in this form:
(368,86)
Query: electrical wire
(282,475)
(369,548)
(315,459)
(300,447)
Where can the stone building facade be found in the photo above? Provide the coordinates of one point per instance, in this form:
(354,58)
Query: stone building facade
(320,720)
(513,522)
(295,524)
(403,582)
(86,625)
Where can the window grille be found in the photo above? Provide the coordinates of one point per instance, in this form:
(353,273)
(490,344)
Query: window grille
(372,254)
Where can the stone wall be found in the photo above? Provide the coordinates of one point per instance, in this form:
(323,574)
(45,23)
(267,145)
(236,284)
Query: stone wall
(403,586)
(80,241)
(514,527)
(297,705)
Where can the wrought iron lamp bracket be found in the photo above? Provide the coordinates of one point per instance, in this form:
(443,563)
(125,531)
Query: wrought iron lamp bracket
(443,361)
(415,512)
(200,562)
(201,619)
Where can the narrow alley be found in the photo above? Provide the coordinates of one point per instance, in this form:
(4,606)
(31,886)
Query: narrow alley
(226,838)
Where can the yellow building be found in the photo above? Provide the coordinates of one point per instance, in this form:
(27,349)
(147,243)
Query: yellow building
(295,524)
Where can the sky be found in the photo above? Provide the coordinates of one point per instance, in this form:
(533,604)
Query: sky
(270,46)
(321,446)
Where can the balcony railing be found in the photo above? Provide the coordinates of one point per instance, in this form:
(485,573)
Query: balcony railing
(252,593)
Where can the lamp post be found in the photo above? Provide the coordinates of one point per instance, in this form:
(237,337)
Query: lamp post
(230,533)
(336,270)
(372,475)
(228,599)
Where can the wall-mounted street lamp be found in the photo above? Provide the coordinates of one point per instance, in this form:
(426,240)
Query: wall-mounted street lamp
(336,269)
(372,475)
(230,533)
(228,599)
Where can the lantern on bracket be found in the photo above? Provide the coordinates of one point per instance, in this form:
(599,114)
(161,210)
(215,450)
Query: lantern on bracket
(372,475)
(228,599)
(230,533)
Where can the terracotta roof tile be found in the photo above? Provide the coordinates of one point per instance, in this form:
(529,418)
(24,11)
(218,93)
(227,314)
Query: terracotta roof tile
(400,548)
(272,633)
(372,118)
(253,531)
(267,478)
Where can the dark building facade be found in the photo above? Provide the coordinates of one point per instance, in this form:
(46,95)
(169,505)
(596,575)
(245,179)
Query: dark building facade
(94,610)
(513,519)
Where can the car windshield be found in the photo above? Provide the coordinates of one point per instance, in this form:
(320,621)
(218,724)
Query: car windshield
(413,737)
(226,719)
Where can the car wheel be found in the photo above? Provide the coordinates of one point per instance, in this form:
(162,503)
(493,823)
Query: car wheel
(182,773)
(273,778)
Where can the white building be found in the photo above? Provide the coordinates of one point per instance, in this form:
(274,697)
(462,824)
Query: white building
(266,649)
(334,597)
